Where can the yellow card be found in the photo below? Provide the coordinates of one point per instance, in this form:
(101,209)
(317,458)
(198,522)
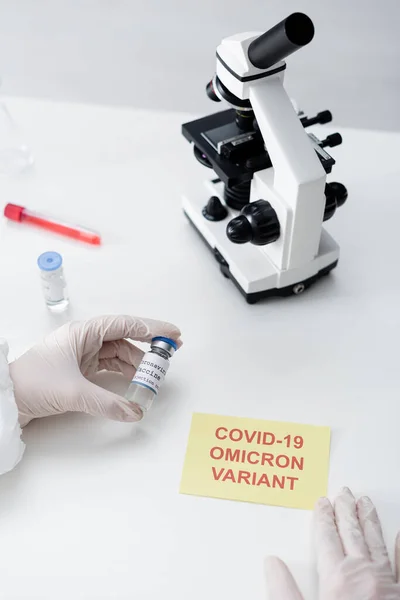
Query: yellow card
(252,460)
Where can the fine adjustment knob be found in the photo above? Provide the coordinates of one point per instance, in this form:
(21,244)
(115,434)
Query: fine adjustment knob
(215,210)
(257,224)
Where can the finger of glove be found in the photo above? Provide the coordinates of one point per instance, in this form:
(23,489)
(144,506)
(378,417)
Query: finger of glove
(110,328)
(280,582)
(88,337)
(372,530)
(124,350)
(328,545)
(120,356)
(127,353)
(98,402)
(348,525)
(397,558)
(117,366)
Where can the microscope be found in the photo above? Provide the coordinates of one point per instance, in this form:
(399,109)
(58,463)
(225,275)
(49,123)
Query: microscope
(261,213)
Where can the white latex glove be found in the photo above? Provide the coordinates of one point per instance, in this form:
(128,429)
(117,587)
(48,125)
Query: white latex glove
(353,562)
(51,379)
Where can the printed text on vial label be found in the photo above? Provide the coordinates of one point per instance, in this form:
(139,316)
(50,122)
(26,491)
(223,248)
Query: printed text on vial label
(151,371)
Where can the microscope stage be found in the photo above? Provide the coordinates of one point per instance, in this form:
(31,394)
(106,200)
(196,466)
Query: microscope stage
(195,131)
(209,134)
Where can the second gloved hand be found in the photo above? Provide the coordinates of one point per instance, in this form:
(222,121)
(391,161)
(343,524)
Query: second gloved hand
(51,378)
(353,562)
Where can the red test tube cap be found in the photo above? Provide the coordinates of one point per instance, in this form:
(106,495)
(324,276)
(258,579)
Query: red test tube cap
(13,212)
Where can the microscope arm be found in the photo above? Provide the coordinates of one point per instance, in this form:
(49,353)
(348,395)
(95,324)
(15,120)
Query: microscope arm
(299,178)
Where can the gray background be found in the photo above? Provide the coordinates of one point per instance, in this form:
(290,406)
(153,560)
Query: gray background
(160,54)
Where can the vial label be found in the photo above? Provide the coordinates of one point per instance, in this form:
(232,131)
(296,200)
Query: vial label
(151,371)
(53,292)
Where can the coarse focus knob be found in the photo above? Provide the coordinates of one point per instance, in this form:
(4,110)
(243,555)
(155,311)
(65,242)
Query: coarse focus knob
(257,224)
(239,230)
(215,210)
(330,203)
(340,192)
(336,195)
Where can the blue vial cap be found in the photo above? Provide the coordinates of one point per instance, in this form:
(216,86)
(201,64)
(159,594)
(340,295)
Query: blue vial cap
(49,261)
(167,340)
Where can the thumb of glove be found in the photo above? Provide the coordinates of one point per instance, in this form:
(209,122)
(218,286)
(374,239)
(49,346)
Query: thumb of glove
(98,402)
(280,581)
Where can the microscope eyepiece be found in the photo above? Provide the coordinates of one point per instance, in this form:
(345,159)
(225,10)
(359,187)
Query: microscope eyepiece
(286,37)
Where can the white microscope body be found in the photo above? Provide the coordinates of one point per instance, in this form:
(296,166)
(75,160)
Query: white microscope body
(274,244)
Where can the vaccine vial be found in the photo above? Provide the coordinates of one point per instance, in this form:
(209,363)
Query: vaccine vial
(53,282)
(151,372)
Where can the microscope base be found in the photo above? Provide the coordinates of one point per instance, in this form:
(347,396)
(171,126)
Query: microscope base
(247,265)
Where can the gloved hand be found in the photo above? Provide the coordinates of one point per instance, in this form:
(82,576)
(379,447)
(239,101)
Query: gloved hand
(353,562)
(51,379)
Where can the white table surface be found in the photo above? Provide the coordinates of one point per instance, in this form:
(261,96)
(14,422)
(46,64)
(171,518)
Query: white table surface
(93,511)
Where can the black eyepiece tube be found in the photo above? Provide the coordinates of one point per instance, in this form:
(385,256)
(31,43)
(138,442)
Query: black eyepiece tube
(285,38)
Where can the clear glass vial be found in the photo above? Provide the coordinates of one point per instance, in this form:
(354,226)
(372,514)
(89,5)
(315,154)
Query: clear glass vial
(151,372)
(15,156)
(53,282)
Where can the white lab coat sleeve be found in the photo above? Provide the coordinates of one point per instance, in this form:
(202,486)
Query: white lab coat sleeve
(11,445)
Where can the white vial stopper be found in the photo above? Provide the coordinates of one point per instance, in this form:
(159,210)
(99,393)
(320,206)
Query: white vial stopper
(53,282)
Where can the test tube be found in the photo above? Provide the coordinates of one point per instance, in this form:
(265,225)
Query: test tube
(20,214)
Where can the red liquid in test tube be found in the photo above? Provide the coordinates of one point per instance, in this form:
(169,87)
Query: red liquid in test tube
(23,215)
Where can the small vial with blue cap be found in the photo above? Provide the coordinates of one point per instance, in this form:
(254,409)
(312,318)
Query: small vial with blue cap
(151,372)
(53,281)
